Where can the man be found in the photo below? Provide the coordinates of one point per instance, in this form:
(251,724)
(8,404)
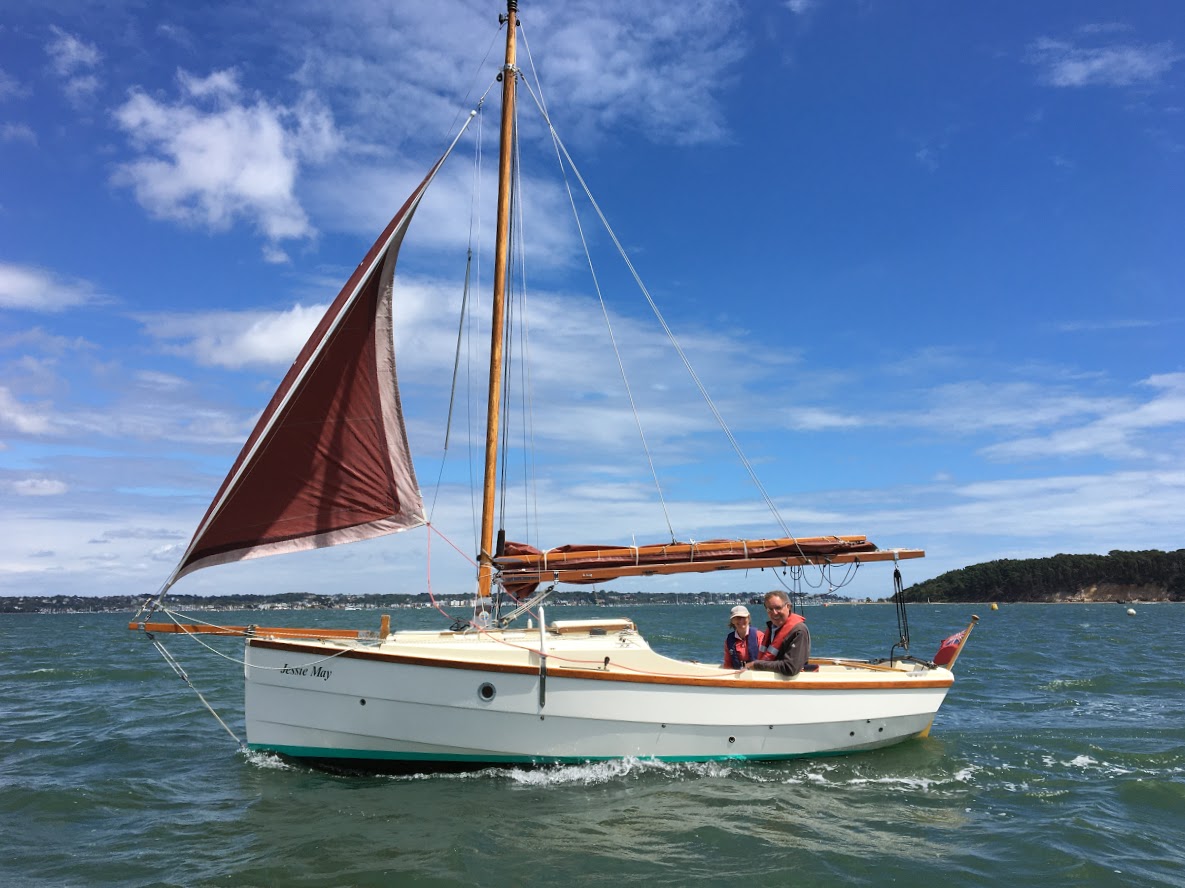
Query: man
(787,645)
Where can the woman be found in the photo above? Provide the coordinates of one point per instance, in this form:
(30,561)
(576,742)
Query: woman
(743,643)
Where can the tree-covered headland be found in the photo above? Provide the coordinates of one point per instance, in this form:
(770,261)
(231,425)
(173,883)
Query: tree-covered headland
(1150,575)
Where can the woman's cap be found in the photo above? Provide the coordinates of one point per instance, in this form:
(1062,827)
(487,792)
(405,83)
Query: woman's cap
(739,611)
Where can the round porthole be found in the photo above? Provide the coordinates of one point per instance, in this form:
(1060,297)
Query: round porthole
(486,692)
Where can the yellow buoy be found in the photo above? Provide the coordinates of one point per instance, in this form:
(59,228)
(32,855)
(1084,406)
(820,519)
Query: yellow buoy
(995,606)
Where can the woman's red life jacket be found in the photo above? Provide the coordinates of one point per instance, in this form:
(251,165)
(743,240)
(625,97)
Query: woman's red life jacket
(739,651)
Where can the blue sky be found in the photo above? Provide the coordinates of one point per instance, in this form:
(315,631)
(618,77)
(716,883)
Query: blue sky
(926,257)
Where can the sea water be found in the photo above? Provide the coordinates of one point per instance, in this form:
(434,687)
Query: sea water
(1057,759)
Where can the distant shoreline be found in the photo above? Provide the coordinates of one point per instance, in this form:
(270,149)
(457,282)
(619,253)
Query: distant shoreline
(15,606)
(293,601)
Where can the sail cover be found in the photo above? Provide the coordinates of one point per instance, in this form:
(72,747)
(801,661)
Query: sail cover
(522,567)
(328,461)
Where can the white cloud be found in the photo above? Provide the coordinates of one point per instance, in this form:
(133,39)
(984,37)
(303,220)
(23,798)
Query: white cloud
(160,420)
(144,413)
(219,84)
(69,55)
(1115,434)
(218,154)
(982,521)
(1122,506)
(28,288)
(87,550)
(641,66)
(73,60)
(971,407)
(443,219)
(214,158)
(237,339)
(627,63)
(22,418)
(1100,438)
(48,344)
(10,87)
(571,371)
(1105,28)
(1105,325)
(17,132)
(137,533)
(1065,64)
(273,255)
(1023,420)
(161,382)
(818,419)
(39,487)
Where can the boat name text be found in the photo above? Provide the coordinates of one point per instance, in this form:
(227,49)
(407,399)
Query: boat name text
(307,671)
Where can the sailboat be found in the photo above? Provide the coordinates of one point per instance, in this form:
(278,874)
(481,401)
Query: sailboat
(329,463)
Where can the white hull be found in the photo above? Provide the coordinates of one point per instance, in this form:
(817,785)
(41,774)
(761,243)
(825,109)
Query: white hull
(418,697)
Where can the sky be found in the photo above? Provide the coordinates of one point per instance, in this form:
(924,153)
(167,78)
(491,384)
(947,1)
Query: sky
(926,259)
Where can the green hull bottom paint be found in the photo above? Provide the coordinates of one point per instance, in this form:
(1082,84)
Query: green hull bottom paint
(363,759)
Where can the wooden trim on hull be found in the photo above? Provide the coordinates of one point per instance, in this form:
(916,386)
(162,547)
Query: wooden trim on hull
(559,672)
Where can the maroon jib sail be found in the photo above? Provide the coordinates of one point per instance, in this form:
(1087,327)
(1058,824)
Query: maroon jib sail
(328,461)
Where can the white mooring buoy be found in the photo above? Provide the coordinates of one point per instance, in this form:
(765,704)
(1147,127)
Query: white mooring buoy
(1131,611)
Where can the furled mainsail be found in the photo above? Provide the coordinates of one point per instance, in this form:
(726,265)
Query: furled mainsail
(522,567)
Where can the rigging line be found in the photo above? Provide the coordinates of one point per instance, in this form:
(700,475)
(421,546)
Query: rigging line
(797,597)
(428,576)
(902,617)
(176,667)
(504,415)
(530,478)
(428,570)
(514,321)
(508,354)
(848,577)
(171,615)
(600,296)
(474,517)
(823,568)
(474,209)
(617,355)
(480,65)
(432,527)
(663,323)
(448,422)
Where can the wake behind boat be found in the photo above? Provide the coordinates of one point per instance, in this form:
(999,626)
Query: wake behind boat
(329,463)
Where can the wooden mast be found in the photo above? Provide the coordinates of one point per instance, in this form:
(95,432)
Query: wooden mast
(501,252)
